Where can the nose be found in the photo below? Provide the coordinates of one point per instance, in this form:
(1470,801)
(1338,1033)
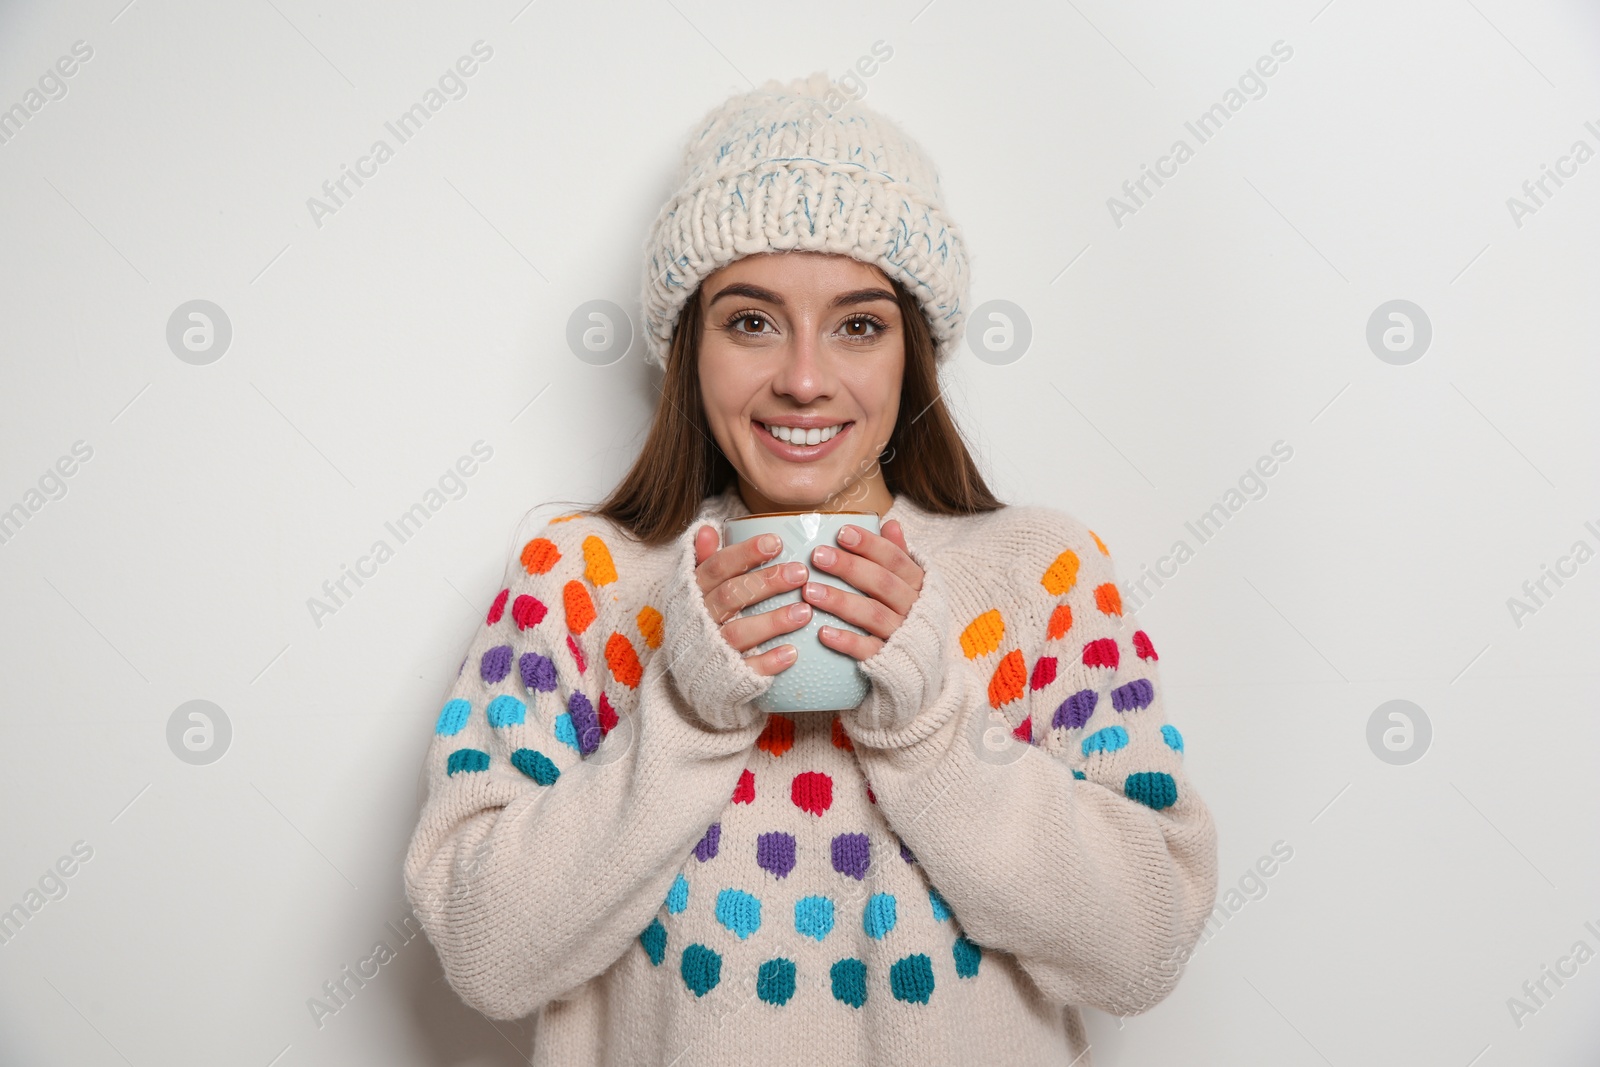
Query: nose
(804,372)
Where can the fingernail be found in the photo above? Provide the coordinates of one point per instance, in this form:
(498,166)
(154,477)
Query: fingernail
(786,654)
(794,572)
(848,535)
(824,555)
(813,590)
(799,612)
(769,543)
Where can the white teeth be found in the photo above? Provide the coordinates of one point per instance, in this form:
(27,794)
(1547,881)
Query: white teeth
(797,436)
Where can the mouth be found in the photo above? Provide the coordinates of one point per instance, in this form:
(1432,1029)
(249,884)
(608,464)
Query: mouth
(799,445)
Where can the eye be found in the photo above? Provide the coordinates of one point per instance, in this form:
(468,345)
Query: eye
(742,318)
(863,322)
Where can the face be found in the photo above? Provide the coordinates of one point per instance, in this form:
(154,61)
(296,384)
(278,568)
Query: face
(808,342)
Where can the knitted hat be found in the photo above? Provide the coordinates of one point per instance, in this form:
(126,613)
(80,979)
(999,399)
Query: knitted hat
(778,169)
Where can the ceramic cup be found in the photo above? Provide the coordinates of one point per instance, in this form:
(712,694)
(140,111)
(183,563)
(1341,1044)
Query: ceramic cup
(820,679)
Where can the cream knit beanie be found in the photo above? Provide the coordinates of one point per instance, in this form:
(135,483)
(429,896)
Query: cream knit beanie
(777,169)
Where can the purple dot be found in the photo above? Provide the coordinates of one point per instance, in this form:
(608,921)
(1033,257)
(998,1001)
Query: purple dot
(905,853)
(1076,709)
(496,664)
(851,855)
(584,722)
(1133,696)
(707,848)
(537,672)
(775,853)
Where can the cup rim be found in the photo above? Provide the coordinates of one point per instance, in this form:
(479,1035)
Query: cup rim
(813,511)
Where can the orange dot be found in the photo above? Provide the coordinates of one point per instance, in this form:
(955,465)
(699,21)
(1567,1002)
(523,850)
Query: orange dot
(650,626)
(1101,545)
(623,660)
(598,567)
(1062,574)
(539,555)
(777,737)
(983,634)
(1060,622)
(1009,679)
(1107,599)
(580,609)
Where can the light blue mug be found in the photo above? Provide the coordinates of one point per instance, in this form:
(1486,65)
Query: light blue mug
(819,679)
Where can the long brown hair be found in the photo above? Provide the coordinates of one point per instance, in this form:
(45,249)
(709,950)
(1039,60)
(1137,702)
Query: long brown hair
(680,463)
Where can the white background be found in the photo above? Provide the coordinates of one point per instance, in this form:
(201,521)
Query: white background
(371,351)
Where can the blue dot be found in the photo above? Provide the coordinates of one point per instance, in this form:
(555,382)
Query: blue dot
(849,978)
(701,969)
(967,954)
(739,912)
(535,765)
(878,917)
(1107,740)
(1080,775)
(911,979)
(1153,788)
(453,717)
(565,731)
(654,940)
(1170,734)
(678,895)
(813,917)
(941,910)
(467,759)
(506,711)
(775,981)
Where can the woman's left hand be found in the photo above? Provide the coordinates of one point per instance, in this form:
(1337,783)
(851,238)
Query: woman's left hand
(883,570)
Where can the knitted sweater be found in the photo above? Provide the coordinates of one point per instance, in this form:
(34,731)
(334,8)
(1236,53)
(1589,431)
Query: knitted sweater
(615,838)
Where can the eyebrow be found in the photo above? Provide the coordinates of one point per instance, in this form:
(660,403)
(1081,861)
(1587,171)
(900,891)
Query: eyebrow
(756,292)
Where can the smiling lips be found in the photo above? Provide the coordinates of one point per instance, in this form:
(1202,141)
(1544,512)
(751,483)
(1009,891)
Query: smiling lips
(794,442)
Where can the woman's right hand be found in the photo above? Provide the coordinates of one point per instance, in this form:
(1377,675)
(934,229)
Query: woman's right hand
(729,586)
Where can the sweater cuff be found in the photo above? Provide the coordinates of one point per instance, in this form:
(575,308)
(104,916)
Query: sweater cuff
(713,677)
(908,672)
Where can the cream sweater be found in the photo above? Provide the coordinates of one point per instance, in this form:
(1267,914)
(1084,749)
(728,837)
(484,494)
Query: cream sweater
(615,838)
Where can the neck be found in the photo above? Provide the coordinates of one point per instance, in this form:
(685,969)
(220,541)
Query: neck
(866,494)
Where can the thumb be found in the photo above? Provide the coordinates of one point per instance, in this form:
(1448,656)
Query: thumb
(706,542)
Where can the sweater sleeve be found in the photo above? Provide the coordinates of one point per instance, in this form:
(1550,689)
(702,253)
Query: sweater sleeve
(596,730)
(1039,783)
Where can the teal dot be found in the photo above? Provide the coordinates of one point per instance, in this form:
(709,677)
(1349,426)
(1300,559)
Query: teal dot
(879,915)
(506,711)
(453,718)
(813,917)
(535,765)
(678,895)
(849,979)
(941,910)
(911,979)
(1170,734)
(1080,775)
(1154,788)
(739,912)
(967,954)
(775,981)
(701,969)
(654,940)
(565,731)
(467,759)
(1108,740)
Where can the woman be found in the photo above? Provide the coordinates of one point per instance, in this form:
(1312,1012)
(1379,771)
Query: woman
(616,838)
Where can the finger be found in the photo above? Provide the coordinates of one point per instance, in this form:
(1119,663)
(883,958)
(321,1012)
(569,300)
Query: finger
(773,660)
(891,555)
(745,632)
(705,543)
(854,645)
(752,587)
(868,577)
(732,560)
(871,615)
